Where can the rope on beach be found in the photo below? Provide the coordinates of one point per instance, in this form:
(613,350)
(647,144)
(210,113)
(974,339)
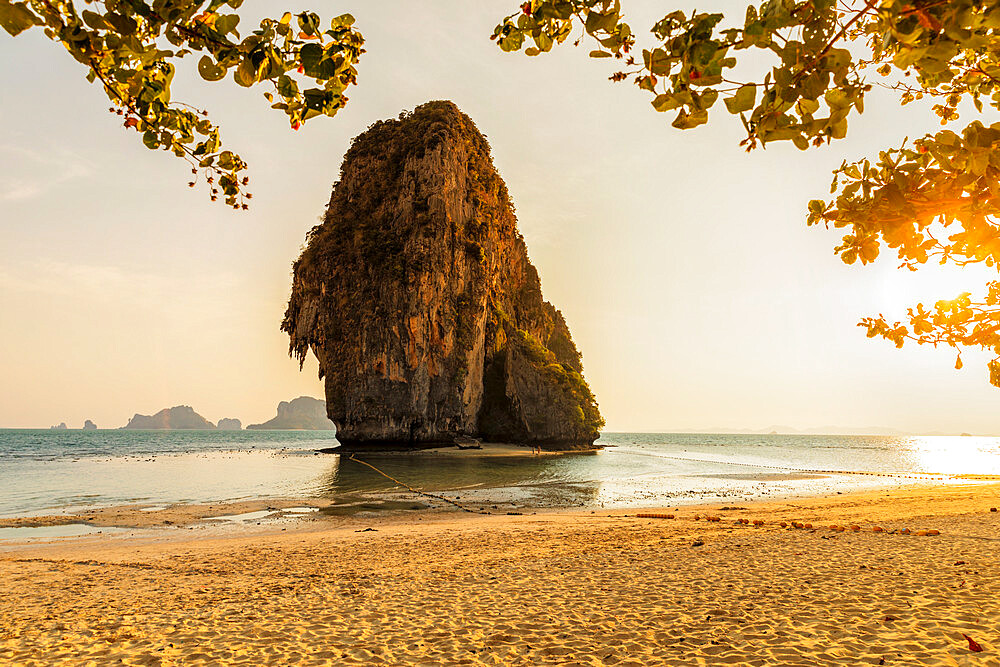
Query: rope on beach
(418,491)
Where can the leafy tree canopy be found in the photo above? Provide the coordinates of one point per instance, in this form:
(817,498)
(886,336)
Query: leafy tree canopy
(130,47)
(933,198)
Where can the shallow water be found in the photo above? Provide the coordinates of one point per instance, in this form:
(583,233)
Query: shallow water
(48,532)
(45,472)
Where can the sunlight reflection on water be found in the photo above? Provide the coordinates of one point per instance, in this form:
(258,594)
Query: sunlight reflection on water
(956,455)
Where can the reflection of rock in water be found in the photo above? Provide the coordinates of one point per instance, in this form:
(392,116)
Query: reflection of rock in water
(475,481)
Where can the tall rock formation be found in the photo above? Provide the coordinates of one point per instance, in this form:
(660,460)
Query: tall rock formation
(302,413)
(417,296)
(179,417)
(89,426)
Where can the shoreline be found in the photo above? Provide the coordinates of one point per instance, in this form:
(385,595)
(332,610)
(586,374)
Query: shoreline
(586,587)
(89,488)
(403,504)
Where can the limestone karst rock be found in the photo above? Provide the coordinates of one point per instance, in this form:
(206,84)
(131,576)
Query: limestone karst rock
(89,426)
(302,413)
(179,417)
(61,426)
(226,424)
(417,296)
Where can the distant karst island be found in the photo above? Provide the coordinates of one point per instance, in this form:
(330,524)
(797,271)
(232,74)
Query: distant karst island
(417,297)
(304,412)
(89,426)
(179,417)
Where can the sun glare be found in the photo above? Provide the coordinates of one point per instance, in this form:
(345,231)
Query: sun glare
(956,455)
(902,289)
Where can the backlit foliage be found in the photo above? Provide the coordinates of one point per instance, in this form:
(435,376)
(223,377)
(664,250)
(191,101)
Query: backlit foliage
(934,198)
(131,48)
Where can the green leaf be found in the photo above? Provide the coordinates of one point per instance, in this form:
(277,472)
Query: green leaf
(209,70)
(95,20)
(806,106)
(657,61)
(838,130)
(344,20)
(743,100)
(226,23)
(125,25)
(707,99)
(308,22)
(15,17)
(686,121)
(226,160)
(512,42)
(287,87)
(594,21)
(245,74)
(667,102)
(310,56)
(600,54)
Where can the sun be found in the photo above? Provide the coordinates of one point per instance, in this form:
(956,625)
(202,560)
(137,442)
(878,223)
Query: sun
(901,289)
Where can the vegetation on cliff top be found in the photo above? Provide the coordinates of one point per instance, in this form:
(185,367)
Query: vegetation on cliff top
(562,373)
(383,151)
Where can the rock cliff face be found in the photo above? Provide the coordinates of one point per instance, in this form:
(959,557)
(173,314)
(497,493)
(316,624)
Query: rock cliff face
(418,298)
(180,417)
(302,413)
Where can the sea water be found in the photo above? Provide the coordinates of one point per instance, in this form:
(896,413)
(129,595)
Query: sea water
(44,471)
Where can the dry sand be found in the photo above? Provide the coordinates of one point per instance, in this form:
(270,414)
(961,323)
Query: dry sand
(567,588)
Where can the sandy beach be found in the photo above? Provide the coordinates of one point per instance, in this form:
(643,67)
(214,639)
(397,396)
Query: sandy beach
(559,587)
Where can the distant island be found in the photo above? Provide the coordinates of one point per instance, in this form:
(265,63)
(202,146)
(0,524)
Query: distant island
(89,426)
(179,417)
(60,427)
(303,413)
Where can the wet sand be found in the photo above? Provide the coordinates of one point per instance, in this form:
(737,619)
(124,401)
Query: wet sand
(558,587)
(145,515)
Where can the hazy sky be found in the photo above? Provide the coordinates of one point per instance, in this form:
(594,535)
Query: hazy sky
(684,267)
